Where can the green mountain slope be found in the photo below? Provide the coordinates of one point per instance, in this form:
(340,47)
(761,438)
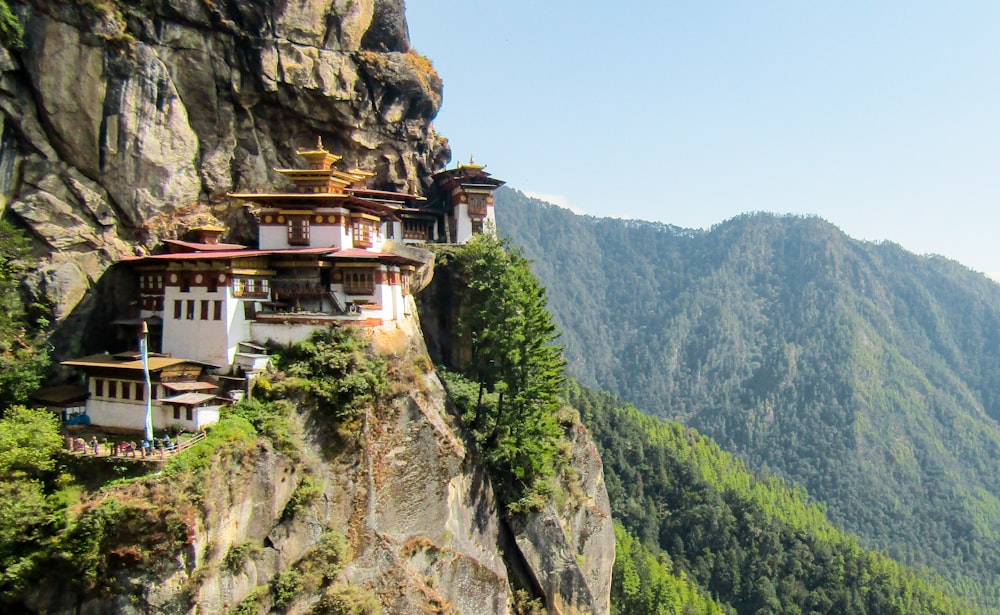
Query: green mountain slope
(867,374)
(755,545)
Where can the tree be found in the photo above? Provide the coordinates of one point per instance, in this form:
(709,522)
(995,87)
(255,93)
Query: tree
(29,440)
(23,364)
(511,353)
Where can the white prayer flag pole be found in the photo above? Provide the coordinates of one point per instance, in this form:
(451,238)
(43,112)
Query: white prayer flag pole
(144,351)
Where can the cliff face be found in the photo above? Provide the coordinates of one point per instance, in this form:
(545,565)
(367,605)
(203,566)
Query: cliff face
(404,492)
(125,121)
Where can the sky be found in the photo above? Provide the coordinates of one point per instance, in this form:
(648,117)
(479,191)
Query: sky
(881,117)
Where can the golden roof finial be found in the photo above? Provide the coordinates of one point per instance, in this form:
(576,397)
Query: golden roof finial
(319,142)
(472,160)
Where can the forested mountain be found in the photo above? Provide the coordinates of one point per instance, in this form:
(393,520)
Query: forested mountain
(867,374)
(756,545)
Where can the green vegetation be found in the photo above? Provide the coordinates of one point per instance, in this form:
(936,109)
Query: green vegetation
(46,531)
(642,583)
(238,555)
(32,495)
(867,374)
(507,338)
(11,31)
(24,361)
(306,492)
(347,600)
(755,545)
(330,373)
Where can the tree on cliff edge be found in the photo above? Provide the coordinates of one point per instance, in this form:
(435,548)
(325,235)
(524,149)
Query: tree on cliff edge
(509,336)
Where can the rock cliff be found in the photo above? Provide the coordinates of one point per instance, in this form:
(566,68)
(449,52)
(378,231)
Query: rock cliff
(125,121)
(400,506)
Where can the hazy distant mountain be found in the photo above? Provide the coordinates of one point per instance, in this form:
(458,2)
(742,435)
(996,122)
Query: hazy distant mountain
(866,373)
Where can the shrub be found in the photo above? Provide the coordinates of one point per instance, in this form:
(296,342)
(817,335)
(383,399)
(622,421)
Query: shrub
(322,564)
(307,491)
(237,556)
(332,373)
(285,587)
(348,600)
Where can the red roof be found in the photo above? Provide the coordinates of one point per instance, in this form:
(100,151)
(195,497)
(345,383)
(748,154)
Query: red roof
(359,254)
(203,247)
(385,193)
(185,256)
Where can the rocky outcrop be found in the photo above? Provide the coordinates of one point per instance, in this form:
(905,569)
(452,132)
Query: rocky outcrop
(405,493)
(569,552)
(124,121)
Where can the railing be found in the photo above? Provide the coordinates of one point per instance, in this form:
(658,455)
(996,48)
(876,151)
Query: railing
(105,450)
(251,294)
(302,289)
(477,210)
(422,234)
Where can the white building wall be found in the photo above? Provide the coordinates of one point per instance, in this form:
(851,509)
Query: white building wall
(282,333)
(196,338)
(205,416)
(490,224)
(463,224)
(127,415)
(272,237)
(326,236)
(238,328)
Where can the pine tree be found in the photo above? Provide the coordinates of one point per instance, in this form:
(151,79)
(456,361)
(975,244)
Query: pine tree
(510,337)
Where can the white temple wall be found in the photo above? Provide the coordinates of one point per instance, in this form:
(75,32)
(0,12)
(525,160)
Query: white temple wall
(282,333)
(127,415)
(463,224)
(191,336)
(272,237)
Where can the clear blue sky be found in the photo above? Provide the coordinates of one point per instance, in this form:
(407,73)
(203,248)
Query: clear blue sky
(881,117)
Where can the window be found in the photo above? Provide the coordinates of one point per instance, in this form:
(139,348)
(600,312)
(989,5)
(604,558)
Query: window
(98,387)
(477,227)
(140,391)
(126,390)
(204,309)
(390,230)
(189,413)
(416,229)
(250,288)
(359,282)
(112,389)
(218,310)
(361,230)
(298,231)
(190,309)
(477,204)
(177,413)
(185,281)
(178,308)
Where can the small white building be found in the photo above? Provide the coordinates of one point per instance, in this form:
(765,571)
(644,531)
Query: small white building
(116,389)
